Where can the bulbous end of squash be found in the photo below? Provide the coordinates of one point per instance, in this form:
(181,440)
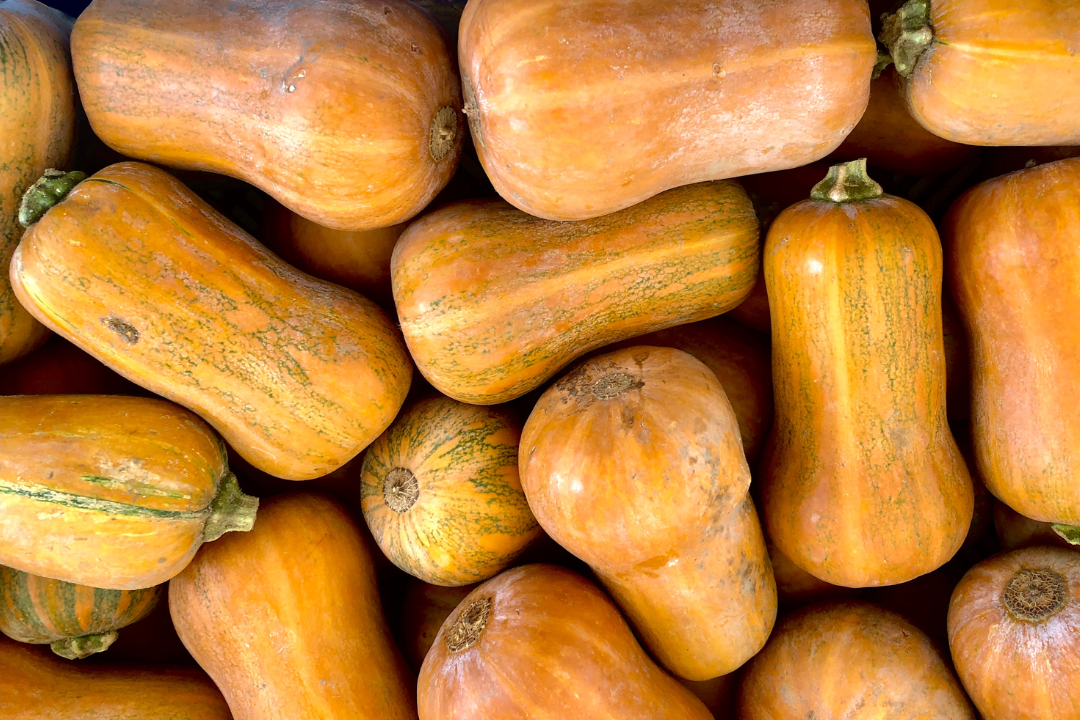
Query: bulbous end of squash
(907,33)
(1071,533)
(50,188)
(231,511)
(847,182)
(77,648)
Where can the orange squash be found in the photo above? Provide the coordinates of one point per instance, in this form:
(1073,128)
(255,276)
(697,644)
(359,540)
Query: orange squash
(424,608)
(109,491)
(990,72)
(441,495)
(1014,531)
(1013,247)
(1014,631)
(862,481)
(795,587)
(493,302)
(37,132)
(633,463)
(76,620)
(541,642)
(850,660)
(924,601)
(615,102)
(35,685)
(288,621)
(60,368)
(348,114)
(297,374)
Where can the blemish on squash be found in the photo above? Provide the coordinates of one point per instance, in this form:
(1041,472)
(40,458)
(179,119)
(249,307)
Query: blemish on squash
(613,385)
(400,489)
(127,332)
(469,625)
(443,133)
(471,109)
(1034,595)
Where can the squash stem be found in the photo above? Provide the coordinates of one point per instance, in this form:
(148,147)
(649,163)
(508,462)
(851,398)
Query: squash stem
(907,34)
(1071,533)
(77,648)
(50,189)
(231,511)
(847,182)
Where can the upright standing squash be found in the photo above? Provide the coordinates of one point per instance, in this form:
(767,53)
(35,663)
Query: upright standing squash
(297,374)
(990,72)
(862,481)
(1014,261)
(542,642)
(633,463)
(37,132)
(1014,631)
(288,621)
(582,109)
(76,620)
(347,113)
(109,491)
(493,302)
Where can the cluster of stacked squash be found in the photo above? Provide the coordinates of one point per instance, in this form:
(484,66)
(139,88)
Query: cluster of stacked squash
(680,445)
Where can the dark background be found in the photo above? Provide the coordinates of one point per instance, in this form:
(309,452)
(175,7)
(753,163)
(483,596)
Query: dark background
(71,7)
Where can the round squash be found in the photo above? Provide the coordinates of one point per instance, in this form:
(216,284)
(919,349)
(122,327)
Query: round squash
(348,114)
(288,621)
(862,481)
(633,463)
(37,132)
(854,660)
(494,302)
(613,103)
(109,491)
(542,642)
(424,608)
(990,72)
(76,620)
(35,685)
(1014,531)
(297,374)
(1013,246)
(1014,631)
(441,495)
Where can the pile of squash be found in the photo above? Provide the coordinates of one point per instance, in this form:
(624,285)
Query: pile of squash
(540,359)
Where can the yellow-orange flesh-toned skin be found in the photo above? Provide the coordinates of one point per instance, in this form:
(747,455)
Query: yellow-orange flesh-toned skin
(850,660)
(440,492)
(297,374)
(539,642)
(493,302)
(37,132)
(107,491)
(1000,72)
(37,685)
(348,114)
(862,480)
(633,463)
(288,621)
(1014,632)
(582,109)
(1014,260)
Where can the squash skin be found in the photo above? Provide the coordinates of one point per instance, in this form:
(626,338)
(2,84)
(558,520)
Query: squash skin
(795,587)
(297,374)
(37,131)
(1013,246)
(649,487)
(493,302)
(854,660)
(554,646)
(107,491)
(1000,73)
(347,147)
(1012,667)
(469,519)
(615,102)
(293,604)
(36,685)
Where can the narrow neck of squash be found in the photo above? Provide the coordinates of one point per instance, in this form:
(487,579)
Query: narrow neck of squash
(231,510)
(907,34)
(845,183)
(50,189)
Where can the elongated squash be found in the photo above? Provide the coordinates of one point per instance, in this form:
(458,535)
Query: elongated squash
(612,103)
(37,132)
(297,374)
(347,113)
(862,481)
(493,302)
(111,492)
